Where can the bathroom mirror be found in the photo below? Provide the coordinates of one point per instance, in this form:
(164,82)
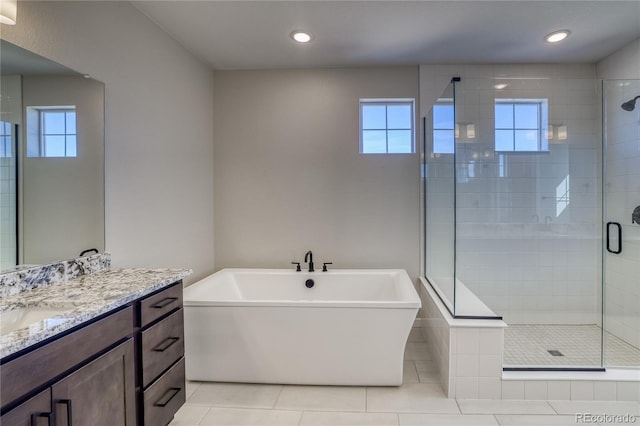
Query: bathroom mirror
(51,160)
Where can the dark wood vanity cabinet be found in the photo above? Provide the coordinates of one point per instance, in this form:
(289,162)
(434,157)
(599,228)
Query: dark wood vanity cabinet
(124,368)
(162,374)
(101,393)
(34,412)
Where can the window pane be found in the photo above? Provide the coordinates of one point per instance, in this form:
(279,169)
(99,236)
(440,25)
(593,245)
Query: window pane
(399,117)
(504,116)
(443,142)
(504,140)
(374,117)
(54,146)
(53,123)
(443,116)
(526,140)
(71,123)
(526,116)
(72,151)
(374,141)
(400,142)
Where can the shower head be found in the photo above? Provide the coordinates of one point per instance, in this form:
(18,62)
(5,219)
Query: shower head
(630,105)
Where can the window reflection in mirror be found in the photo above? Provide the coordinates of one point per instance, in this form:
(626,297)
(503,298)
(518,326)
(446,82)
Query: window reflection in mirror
(53,173)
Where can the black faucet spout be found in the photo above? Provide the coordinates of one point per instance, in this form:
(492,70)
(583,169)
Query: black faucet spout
(308,258)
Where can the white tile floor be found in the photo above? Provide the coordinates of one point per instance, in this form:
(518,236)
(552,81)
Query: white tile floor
(527,345)
(419,401)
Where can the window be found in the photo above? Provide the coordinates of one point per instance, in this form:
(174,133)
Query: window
(519,125)
(6,139)
(386,126)
(443,127)
(51,131)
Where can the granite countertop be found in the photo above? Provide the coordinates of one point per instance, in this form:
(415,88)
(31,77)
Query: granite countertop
(59,307)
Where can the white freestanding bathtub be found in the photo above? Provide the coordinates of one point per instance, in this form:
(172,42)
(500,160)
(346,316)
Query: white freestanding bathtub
(266,326)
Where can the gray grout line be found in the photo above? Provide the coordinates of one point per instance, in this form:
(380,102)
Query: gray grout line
(458,405)
(278,397)
(205,416)
(366,397)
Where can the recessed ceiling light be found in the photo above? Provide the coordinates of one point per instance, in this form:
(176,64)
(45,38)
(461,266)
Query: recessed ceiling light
(557,36)
(301,36)
(501,86)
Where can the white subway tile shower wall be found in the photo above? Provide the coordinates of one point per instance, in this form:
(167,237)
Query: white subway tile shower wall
(622,280)
(623,196)
(528,259)
(8,212)
(437,333)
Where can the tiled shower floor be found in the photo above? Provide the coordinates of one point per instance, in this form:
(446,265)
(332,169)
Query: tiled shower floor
(528,345)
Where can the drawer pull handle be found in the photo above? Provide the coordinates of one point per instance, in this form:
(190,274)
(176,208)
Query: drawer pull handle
(166,344)
(164,302)
(35,417)
(67,402)
(167,397)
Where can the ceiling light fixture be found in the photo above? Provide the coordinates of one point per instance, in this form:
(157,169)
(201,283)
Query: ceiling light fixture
(301,36)
(8,11)
(557,36)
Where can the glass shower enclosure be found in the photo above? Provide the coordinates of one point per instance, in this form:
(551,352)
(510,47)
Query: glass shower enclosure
(517,174)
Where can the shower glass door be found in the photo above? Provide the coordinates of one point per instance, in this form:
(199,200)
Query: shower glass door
(622,224)
(528,179)
(439,197)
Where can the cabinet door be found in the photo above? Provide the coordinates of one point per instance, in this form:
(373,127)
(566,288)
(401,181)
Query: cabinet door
(102,393)
(34,412)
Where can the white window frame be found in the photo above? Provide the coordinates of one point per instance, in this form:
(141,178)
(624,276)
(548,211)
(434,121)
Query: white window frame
(6,139)
(442,103)
(541,130)
(389,102)
(36,130)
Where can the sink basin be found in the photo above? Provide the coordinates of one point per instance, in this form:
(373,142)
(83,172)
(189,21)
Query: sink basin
(18,318)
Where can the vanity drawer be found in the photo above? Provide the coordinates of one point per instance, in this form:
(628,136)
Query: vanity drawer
(165,396)
(162,345)
(159,304)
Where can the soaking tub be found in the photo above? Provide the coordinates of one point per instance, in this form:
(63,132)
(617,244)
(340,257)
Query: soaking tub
(267,326)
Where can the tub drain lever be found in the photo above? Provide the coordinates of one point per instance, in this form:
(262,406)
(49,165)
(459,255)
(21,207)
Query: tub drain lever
(635,216)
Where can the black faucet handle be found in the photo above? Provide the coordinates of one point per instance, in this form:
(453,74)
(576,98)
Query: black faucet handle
(324,266)
(298,269)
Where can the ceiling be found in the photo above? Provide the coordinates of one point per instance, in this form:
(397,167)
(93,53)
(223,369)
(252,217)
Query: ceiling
(255,34)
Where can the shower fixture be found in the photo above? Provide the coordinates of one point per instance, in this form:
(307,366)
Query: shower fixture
(635,216)
(630,105)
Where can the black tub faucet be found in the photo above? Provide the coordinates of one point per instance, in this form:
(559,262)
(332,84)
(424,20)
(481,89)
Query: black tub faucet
(308,258)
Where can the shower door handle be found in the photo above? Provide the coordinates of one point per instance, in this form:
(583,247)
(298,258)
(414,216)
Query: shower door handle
(616,224)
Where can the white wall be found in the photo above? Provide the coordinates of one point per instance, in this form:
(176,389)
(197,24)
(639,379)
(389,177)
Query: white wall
(623,64)
(158,126)
(289,178)
(622,287)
